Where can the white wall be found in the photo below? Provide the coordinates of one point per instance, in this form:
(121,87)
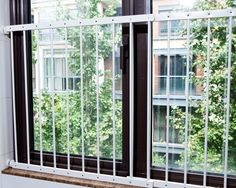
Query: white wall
(6,146)
(6,140)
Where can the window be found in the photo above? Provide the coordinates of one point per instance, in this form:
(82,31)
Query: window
(55,72)
(55,88)
(171,146)
(56,49)
(168,99)
(45,36)
(178,75)
(175,28)
(175,25)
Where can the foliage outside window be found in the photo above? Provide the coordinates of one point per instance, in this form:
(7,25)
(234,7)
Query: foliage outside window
(91,9)
(217,97)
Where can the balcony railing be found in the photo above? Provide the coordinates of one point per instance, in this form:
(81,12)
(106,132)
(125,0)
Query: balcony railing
(166,85)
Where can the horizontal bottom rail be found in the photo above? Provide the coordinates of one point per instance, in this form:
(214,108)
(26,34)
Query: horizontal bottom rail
(139,182)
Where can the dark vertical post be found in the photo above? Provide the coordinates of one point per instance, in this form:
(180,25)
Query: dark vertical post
(20,13)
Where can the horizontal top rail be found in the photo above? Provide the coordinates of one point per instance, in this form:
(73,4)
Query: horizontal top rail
(124,19)
(81,22)
(220,13)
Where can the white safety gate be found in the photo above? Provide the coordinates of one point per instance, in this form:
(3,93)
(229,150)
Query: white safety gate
(131,20)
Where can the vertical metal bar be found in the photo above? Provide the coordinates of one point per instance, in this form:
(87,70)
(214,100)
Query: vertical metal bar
(186,107)
(168,105)
(131,98)
(149,101)
(40,102)
(228,103)
(113,100)
(13,95)
(207,100)
(67,102)
(98,126)
(26,98)
(82,95)
(53,112)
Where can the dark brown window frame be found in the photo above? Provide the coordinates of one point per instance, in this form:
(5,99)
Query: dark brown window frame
(20,12)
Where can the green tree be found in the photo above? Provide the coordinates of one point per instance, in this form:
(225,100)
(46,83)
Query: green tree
(217,93)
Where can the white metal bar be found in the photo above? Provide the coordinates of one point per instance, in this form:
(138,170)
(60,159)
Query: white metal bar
(131,98)
(113,100)
(207,99)
(82,95)
(67,101)
(168,104)
(195,15)
(172,184)
(140,182)
(40,102)
(187,105)
(82,22)
(149,100)
(26,97)
(228,103)
(125,19)
(53,101)
(13,95)
(97,98)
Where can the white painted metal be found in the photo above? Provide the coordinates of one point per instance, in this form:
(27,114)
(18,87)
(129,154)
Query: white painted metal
(141,182)
(82,96)
(125,19)
(187,105)
(40,102)
(81,22)
(26,98)
(13,95)
(97,98)
(170,184)
(113,100)
(228,102)
(67,101)
(195,15)
(53,101)
(131,99)
(207,100)
(168,103)
(149,100)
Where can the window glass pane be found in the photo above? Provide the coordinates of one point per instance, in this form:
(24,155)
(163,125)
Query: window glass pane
(47,67)
(59,67)
(47,11)
(52,53)
(197,93)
